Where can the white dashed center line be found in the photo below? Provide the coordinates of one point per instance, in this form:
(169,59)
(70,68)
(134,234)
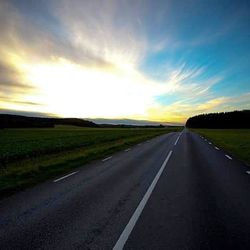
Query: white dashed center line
(230,158)
(106,159)
(68,175)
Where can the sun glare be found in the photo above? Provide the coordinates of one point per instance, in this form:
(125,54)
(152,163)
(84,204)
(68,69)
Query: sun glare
(73,90)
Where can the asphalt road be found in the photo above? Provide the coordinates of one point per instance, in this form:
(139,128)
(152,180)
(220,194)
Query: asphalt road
(175,191)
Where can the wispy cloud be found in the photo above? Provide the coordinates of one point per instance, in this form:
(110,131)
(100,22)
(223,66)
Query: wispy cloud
(181,110)
(93,62)
(82,58)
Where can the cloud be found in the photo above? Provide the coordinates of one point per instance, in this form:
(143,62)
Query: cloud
(179,111)
(82,58)
(93,64)
(35,42)
(11,78)
(112,30)
(90,33)
(190,82)
(25,113)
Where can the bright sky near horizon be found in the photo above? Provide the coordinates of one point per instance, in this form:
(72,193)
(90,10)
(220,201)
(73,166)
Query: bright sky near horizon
(138,59)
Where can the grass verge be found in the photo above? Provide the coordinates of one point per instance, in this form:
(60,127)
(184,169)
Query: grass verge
(235,141)
(28,162)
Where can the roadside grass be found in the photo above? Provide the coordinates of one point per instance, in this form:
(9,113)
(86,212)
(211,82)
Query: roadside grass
(29,156)
(235,141)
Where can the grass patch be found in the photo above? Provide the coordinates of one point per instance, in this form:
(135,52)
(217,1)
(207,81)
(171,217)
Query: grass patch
(235,141)
(29,156)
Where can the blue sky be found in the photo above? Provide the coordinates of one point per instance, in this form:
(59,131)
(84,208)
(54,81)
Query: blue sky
(151,60)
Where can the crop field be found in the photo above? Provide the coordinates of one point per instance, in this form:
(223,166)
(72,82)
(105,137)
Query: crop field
(235,141)
(25,143)
(28,156)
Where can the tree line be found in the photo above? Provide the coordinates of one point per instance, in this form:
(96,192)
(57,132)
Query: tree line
(234,119)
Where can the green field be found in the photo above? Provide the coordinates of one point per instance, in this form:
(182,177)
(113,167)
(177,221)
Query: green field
(28,156)
(235,141)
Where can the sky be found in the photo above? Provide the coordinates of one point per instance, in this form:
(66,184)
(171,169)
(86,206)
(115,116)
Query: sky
(136,59)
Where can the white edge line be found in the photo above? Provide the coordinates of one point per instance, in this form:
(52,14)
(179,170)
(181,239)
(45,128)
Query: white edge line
(129,227)
(128,149)
(230,158)
(59,179)
(210,143)
(105,159)
(216,148)
(248,172)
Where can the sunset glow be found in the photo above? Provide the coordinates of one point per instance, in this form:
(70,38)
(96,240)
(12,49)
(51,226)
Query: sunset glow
(118,59)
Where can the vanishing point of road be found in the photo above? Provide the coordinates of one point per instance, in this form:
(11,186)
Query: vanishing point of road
(176,191)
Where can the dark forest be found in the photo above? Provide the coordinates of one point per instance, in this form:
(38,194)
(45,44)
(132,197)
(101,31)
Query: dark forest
(235,119)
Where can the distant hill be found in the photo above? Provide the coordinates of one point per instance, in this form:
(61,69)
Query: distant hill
(18,121)
(235,119)
(130,126)
(131,122)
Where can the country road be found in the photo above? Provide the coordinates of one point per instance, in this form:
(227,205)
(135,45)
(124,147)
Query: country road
(176,191)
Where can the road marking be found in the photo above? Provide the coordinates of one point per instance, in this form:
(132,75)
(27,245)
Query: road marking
(139,144)
(205,139)
(210,143)
(106,159)
(129,227)
(177,139)
(128,149)
(216,148)
(248,172)
(230,158)
(59,179)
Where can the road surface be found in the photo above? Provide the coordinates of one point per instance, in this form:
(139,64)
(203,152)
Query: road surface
(176,191)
